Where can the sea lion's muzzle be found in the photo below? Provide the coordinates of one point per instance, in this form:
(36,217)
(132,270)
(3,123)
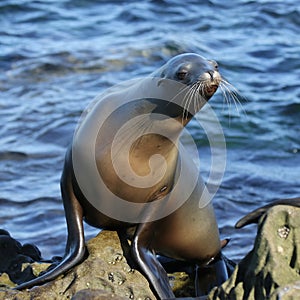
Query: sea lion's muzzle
(209,81)
(210,90)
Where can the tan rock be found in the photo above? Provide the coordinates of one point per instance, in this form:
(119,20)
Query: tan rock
(271,270)
(105,272)
(274,262)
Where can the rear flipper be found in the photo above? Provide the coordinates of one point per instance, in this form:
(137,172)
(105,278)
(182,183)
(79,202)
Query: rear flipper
(75,248)
(172,265)
(212,275)
(254,216)
(205,277)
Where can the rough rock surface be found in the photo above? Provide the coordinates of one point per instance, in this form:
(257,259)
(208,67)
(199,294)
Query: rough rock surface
(105,274)
(272,269)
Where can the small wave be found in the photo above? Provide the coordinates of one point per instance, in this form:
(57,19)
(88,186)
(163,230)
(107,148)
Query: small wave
(12,155)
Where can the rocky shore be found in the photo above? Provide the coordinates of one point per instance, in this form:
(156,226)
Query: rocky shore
(270,271)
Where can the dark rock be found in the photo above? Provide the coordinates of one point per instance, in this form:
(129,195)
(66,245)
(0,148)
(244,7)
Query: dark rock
(13,255)
(31,251)
(9,249)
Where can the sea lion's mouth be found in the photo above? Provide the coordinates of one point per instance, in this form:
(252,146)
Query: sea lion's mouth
(210,90)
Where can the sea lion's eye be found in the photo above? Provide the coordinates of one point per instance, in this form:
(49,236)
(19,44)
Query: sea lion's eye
(181,75)
(214,64)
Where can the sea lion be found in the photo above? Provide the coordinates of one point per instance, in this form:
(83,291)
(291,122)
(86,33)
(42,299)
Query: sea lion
(111,167)
(255,215)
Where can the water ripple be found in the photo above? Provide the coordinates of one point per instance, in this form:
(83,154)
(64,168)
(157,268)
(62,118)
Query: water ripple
(56,56)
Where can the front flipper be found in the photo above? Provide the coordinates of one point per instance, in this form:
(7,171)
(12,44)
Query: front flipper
(254,216)
(148,263)
(75,249)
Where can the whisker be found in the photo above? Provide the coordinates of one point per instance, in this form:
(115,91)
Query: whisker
(185,104)
(196,97)
(200,97)
(227,101)
(188,99)
(232,95)
(193,97)
(230,92)
(186,91)
(233,90)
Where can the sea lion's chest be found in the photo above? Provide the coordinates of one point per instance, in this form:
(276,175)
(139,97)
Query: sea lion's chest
(140,172)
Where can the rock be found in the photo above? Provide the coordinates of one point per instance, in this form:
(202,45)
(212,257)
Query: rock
(16,259)
(95,295)
(272,269)
(103,275)
(288,292)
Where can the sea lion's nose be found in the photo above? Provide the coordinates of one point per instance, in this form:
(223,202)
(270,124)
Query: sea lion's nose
(211,74)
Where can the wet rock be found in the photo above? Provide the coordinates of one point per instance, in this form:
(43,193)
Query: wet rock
(272,269)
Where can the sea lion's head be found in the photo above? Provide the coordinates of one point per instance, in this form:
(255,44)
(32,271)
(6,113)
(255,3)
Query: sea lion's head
(198,80)
(193,70)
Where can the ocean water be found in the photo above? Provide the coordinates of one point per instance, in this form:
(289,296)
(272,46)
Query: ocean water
(56,56)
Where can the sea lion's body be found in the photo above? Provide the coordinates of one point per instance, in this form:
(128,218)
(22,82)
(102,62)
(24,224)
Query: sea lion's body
(187,232)
(173,234)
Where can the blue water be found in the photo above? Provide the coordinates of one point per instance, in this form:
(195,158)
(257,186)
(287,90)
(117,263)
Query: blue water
(56,55)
